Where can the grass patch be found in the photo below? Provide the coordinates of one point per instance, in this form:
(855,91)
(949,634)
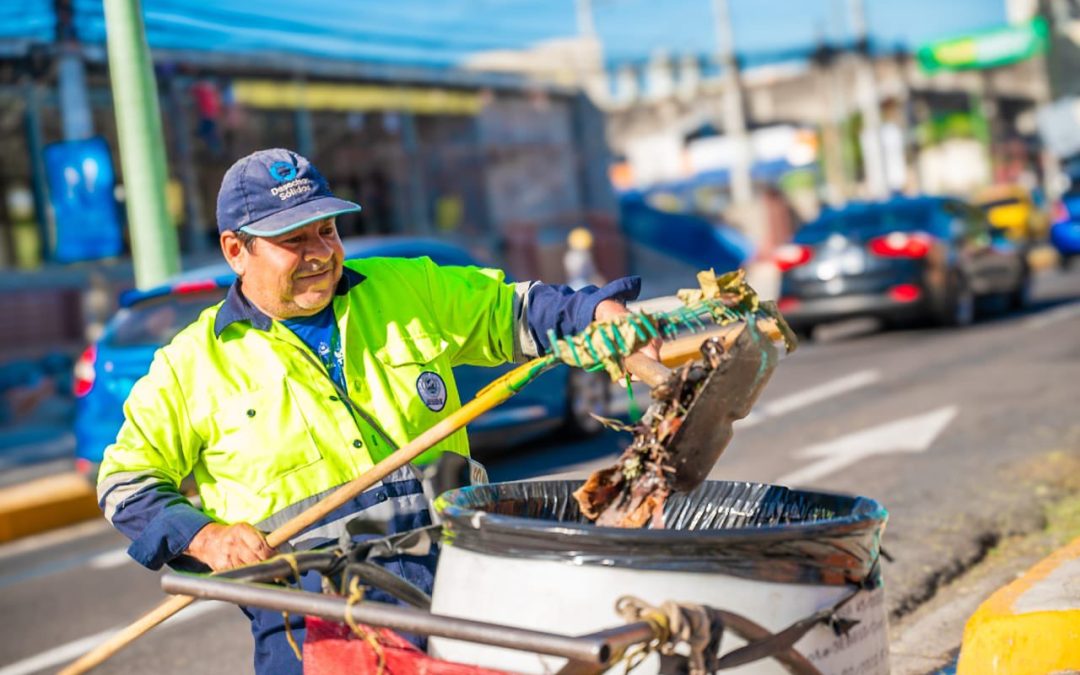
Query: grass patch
(1063,518)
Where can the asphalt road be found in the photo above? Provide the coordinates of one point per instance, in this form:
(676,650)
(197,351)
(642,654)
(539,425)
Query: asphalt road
(961,434)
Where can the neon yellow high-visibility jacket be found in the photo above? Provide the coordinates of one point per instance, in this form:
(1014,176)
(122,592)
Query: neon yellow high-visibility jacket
(242,403)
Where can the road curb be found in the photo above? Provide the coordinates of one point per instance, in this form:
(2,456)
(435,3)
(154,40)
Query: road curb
(46,504)
(1032,625)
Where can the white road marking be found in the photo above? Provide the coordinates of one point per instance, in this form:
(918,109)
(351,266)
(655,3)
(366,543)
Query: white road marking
(809,397)
(76,648)
(60,536)
(911,434)
(762,412)
(110,559)
(1052,316)
(20,455)
(98,561)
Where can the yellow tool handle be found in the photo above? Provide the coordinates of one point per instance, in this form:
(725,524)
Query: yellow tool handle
(96,656)
(484,401)
(494,394)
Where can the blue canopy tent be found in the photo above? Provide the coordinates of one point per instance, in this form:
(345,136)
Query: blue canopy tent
(436,33)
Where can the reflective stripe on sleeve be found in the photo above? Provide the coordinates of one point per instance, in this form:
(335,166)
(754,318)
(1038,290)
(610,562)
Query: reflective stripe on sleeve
(525,346)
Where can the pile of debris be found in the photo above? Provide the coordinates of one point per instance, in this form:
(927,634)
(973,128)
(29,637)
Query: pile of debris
(632,492)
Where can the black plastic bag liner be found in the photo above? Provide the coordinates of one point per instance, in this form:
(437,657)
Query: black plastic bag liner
(749,530)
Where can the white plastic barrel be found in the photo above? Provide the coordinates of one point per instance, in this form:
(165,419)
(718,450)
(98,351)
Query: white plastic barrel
(519,554)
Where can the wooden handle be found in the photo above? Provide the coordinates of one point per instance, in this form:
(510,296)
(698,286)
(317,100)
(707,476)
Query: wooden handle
(488,399)
(688,348)
(649,371)
(493,395)
(105,650)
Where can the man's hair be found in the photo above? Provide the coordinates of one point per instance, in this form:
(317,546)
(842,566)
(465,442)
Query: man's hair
(248,240)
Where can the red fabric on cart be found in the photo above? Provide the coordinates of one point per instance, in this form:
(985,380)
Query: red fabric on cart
(331,648)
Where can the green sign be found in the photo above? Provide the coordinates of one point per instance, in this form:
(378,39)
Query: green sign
(997,47)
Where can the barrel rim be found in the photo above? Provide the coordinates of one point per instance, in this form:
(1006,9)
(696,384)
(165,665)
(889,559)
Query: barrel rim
(865,511)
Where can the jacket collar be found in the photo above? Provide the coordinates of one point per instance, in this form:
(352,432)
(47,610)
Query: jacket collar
(237,308)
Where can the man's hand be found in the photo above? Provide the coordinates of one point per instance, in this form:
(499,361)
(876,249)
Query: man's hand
(609,309)
(224,547)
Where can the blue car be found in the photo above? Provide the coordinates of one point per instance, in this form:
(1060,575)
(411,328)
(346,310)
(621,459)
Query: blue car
(147,320)
(1065,232)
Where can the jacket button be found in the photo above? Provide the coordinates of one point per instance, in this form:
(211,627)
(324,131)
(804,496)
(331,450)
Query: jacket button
(357,443)
(333,398)
(382,497)
(251,412)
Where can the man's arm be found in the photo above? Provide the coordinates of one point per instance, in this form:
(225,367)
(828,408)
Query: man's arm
(139,479)
(566,312)
(489,321)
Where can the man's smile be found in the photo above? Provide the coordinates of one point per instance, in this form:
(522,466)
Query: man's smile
(312,276)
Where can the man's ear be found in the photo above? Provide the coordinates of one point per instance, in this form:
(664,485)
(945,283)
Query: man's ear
(234,251)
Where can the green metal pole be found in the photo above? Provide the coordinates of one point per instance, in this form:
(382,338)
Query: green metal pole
(142,147)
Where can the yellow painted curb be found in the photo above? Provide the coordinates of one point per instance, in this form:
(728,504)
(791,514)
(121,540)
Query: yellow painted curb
(46,504)
(1007,635)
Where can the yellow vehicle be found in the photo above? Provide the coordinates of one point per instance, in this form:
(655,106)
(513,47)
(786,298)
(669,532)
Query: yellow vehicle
(1011,208)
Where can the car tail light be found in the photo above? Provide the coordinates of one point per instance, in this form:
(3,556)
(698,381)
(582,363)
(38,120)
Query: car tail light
(905,293)
(84,467)
(194,286)
(787,304)
(789,256)
(1061,212)
(901,245)
(84,372)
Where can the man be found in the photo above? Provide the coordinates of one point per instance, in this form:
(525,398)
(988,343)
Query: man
(306,375)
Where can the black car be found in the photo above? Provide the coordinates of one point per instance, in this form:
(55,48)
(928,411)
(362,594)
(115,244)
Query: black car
(904,261)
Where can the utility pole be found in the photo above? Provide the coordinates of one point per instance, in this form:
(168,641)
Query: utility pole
(76,119)
(866,93)
(142,147)
(984,112)
(734,110)
(590,59)
(750,216)
(908,124)
(825,65)
(585,24)
(176,88)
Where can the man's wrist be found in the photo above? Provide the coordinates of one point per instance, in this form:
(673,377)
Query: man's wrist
(196,546)
(608,309)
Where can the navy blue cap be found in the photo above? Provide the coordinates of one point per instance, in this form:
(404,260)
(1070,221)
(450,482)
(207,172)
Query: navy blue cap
(271,192)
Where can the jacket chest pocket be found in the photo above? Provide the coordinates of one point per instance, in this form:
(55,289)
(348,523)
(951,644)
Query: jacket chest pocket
(415,369)
(260,437)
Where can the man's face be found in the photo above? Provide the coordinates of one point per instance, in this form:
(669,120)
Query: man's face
(290,275)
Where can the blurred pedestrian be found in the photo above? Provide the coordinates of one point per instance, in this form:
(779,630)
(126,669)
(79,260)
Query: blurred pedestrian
(578,260)
(208,105)
(311,371)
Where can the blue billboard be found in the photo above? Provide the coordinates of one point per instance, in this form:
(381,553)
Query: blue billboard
(81,182)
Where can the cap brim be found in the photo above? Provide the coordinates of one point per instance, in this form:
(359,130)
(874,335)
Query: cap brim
(299,216)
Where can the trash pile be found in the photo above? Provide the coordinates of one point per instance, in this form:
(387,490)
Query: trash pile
(688,424)
(633,491)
